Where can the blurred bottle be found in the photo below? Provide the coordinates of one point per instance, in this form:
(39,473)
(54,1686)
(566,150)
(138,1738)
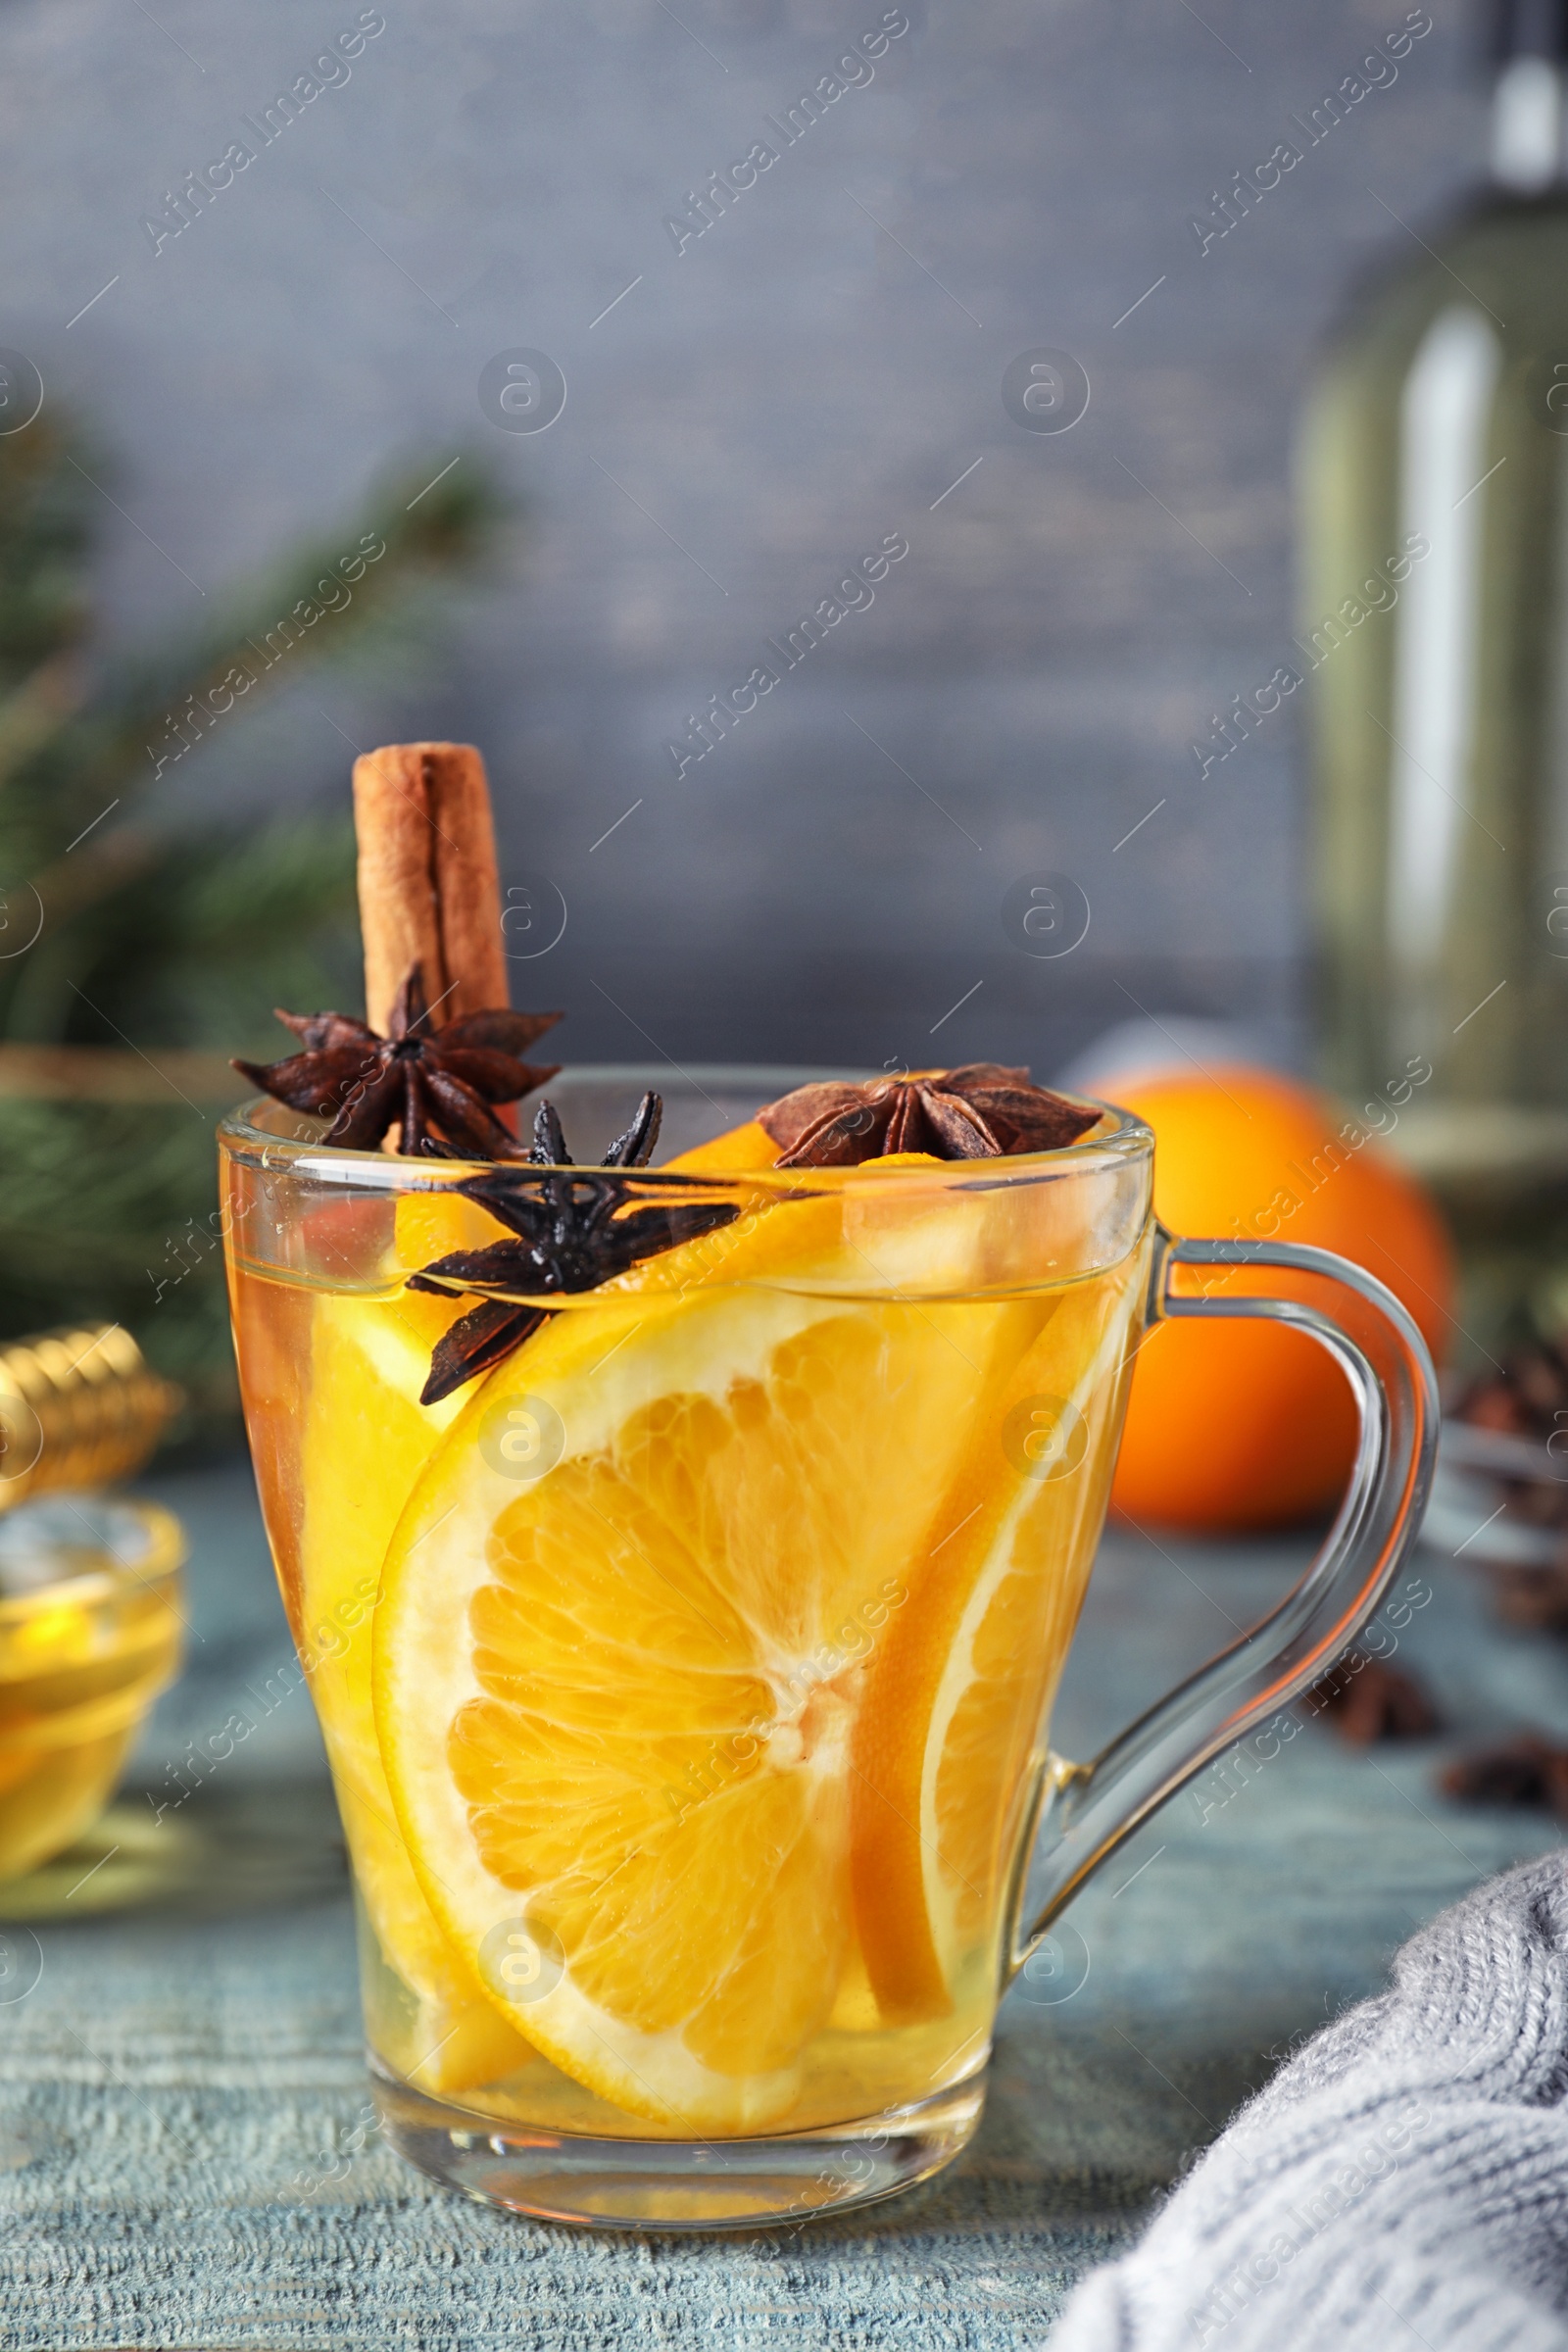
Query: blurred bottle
(1434,516)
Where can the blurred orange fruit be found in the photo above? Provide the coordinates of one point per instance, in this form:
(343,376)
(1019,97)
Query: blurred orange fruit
(1231,1424)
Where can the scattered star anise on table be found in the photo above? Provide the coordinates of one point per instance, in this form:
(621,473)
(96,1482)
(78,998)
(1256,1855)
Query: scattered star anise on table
(1366,1701)
(1523,1397)
(435,1085)
(1533,1596)
(984,1110)
(574,1229)
(1522,1771)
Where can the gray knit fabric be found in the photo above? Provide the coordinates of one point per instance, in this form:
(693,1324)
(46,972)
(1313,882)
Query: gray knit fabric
(1403,2180)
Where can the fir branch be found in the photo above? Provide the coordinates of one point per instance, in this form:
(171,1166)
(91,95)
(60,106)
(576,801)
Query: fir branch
(159,933)
(306,610)
(122,904)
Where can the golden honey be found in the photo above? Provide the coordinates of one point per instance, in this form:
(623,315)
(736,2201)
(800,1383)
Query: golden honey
(90,1635)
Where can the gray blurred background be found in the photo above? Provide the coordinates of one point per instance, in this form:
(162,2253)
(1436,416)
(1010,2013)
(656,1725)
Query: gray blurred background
(814,373)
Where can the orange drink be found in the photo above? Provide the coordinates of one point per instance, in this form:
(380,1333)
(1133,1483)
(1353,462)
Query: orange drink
(686,1676)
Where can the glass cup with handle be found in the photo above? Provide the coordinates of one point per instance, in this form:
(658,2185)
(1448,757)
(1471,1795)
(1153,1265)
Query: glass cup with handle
(686,1674)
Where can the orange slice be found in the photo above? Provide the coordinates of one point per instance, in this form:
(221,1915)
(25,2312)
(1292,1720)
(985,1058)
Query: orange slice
(738,1150)
(366,1438)
(960,1689)
(616,1695)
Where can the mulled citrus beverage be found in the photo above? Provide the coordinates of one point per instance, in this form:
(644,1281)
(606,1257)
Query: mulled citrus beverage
(683,1683)
(683,1528)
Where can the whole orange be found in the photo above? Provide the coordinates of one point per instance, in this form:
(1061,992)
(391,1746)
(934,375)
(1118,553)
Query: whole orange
(1235,1424)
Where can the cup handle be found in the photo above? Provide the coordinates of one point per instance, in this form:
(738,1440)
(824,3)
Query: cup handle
(1082,1812)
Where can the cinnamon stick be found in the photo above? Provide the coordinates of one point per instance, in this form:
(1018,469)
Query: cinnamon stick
(400,915)
(428,882)
(468,883)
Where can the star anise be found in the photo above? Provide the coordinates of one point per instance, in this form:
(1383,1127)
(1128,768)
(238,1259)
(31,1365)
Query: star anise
(1524,1397)
(981,1112)
(1524,1771)
(437,1084)
(574,1230)
(1533,1596)
(1367,1701)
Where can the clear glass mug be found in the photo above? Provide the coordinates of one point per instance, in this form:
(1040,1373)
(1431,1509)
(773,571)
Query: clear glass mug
(686,1678)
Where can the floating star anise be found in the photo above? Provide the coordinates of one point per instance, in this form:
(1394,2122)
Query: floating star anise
(437,1084)
(981,1112)
(574,1230)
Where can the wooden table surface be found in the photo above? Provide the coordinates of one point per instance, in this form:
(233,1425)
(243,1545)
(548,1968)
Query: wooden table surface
(187,2157)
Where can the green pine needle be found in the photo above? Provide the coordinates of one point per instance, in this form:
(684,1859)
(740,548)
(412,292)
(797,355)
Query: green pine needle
(161,931)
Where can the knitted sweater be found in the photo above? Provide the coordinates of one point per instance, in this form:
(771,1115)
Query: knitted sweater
(1402,2182)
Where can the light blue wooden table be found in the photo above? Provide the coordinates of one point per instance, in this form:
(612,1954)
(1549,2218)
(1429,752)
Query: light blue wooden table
(185,2158)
